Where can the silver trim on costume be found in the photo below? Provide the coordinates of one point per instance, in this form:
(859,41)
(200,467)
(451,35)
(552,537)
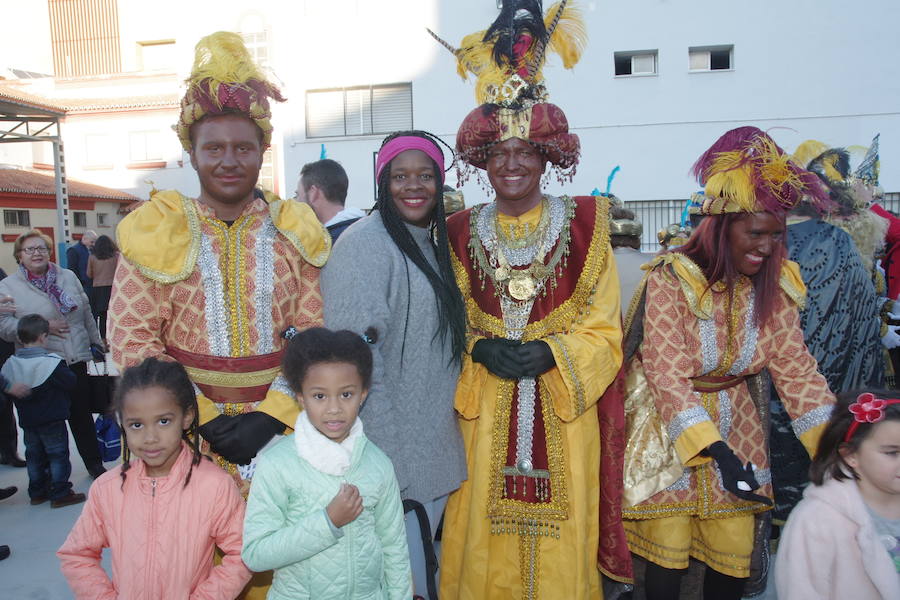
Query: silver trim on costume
(525,421)
(708,348)
(811,419)
(214,293)
(280,384)
(748,349)
(685,420)
(521,257)
(265,284)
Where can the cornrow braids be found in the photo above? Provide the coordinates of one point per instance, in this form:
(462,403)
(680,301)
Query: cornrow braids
(450,305)
(173,378)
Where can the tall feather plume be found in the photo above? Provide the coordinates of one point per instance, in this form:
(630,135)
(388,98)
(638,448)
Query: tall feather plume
(224,58)
(517,17)
(568,38)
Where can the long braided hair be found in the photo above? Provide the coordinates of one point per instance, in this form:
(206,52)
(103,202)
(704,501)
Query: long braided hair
(173,378)
(451,309)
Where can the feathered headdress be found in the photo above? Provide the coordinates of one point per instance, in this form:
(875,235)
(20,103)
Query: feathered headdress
(746,171)
(507,60)
(508,57)
(224,79)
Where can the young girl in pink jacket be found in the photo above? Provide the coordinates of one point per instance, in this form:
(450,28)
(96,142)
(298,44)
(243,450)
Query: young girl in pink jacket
(843,539)
(163,515)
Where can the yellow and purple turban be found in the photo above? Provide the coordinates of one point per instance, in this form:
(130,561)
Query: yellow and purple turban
(225,80)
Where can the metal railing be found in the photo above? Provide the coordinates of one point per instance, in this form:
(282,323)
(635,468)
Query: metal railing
(657,214)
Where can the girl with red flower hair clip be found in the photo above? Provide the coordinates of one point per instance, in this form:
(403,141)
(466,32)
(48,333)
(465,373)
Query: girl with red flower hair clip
(843,539)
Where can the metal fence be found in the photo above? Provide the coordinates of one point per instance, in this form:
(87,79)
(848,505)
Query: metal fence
(657,214)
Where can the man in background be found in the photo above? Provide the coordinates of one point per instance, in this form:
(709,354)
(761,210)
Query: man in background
(77,258)
(323,185)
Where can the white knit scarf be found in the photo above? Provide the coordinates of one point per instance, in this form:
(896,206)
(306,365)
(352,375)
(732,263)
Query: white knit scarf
(322,453)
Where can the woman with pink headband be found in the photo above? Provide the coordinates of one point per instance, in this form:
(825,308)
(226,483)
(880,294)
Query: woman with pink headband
(391,271)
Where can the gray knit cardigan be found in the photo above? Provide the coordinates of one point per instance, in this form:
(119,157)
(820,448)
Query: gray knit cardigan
(409,414)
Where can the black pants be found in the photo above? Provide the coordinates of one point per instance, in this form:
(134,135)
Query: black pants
(81,422)
(8,432)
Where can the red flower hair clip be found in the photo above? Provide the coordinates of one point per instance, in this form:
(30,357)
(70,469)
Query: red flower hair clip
(867,409)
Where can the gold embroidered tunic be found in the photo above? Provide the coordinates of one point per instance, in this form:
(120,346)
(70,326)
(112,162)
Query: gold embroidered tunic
(688,334)
(189,285)
(508,535)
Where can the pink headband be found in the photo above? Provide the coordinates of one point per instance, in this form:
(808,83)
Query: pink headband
(401,144)
(867,409)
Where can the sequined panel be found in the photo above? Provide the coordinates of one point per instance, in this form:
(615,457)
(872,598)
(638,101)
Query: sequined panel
(708,348)
(683,482)
(811,419)
(685,420)
(525,421)
(265,283)
(515,316)
(281,385)
(520,257)
(726,415)
(214,292)
(748,349)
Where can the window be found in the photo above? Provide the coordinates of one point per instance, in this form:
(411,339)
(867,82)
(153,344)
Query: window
(258,45)
(144,146)
(266,179)
(97,151)
(363,110)
(102,220)
(710,58)
(642,62)
(16,218)
(79,219)
(157,56)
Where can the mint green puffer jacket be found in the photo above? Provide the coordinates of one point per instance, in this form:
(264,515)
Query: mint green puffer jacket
(286,528)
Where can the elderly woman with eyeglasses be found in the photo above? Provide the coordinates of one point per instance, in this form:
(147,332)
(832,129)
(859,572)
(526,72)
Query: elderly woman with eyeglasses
(42,287)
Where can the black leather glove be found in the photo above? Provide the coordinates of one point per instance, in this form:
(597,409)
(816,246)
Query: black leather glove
(499,356)
(252,431)
(535,358)
(733,472)
(216,430)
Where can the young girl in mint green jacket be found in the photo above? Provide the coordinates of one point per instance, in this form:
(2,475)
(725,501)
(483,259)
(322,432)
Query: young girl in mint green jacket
(324,510)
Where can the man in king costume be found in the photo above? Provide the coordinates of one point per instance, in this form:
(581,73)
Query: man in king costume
(542,299)
(213,282)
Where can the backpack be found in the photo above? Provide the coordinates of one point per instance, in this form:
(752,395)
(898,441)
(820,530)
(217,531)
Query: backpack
(109,438)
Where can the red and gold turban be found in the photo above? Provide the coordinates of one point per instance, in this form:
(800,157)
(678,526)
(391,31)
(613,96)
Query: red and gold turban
(224,79)
(544,125)
(746,171)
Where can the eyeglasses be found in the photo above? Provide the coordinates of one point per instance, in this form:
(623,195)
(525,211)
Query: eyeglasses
(36,250)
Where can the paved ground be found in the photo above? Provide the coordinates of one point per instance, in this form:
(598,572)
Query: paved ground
(34,533)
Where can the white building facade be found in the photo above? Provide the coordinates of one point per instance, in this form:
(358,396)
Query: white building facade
(353,70)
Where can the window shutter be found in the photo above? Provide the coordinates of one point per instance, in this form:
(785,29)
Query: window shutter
(325,113)
(392,108)
(357,111)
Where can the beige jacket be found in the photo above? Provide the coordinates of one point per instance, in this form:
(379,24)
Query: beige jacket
(75,346)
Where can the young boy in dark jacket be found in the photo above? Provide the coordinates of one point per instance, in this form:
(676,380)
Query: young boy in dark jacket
(43,413)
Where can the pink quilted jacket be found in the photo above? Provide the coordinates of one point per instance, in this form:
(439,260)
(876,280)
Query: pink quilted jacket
(162,536)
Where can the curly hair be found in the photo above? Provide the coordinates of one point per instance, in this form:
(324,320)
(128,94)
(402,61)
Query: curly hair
(318,345)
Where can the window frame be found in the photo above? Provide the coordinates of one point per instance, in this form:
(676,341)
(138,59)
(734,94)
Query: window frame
(631,55)
(405,86)
(709,50)
(16,214)
(75,215)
